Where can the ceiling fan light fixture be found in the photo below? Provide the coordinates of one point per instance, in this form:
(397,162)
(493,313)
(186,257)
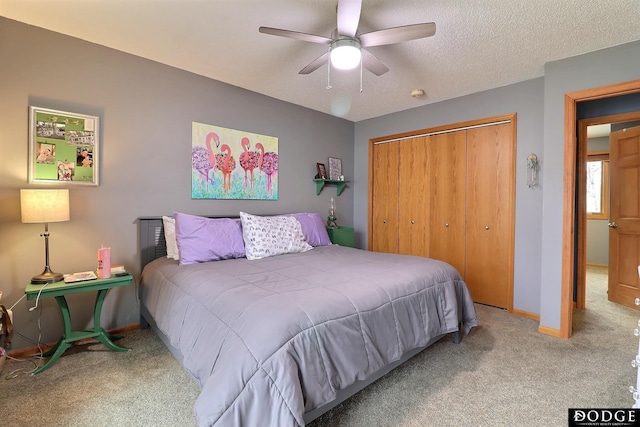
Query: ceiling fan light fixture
(345,53)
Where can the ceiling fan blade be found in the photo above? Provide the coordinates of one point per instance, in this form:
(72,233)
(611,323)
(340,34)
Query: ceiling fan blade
(315,64)
(295,35)
(397,34)
(373,64)
(348,17)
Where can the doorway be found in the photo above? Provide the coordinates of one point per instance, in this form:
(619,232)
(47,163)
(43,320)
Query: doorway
(614,122)
(594,293)
(573,253)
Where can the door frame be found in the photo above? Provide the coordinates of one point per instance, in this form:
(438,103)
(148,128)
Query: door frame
(569,194)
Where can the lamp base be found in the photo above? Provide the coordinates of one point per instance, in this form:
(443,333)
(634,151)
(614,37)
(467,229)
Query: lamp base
(47,276)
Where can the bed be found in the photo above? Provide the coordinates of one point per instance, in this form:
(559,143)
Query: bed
(279,340)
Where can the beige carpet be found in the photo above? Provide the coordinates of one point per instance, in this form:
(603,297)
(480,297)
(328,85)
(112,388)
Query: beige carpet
(504,373)
(92,386)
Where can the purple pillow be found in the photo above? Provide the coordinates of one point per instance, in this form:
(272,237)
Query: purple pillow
(203,239)
(313,228)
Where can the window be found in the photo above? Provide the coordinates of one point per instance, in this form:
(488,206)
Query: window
(597,186)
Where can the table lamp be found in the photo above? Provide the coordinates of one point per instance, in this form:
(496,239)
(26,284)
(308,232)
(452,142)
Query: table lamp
(45,206)
(332,218)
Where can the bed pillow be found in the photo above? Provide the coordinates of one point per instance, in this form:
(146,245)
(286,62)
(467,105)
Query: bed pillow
(169,225)
(266,236)
(203,239)
(315,233)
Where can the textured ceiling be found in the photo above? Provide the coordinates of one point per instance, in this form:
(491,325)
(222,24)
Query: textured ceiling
(478,45)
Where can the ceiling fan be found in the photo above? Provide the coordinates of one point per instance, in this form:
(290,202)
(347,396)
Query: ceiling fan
(347,44)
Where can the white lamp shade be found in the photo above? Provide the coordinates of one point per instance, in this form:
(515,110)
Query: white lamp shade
(345,54)
(45,205)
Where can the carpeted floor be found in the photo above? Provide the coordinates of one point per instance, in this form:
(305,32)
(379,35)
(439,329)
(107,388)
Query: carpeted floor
(92,386)
(504,373)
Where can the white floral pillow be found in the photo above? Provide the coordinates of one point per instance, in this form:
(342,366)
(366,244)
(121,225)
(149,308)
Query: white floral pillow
(266,236)
(169,225)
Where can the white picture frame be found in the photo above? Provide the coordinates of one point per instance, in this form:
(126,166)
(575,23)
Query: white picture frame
(335,169)
(64,148)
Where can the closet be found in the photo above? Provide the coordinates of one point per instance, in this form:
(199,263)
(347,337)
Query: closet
(449,194)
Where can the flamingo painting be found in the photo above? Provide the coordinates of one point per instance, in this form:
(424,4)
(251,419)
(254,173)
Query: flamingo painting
(200,163)
(269,165)
(249,161)
(203,159)
(219,158)
(226,164)
(212,136)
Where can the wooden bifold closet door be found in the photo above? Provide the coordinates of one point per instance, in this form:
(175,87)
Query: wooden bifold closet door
(450,197)
(448,165)
(384,235)
(489,215)
(401,199)
(413,202)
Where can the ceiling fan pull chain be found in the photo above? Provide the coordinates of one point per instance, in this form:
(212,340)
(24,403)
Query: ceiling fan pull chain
(360,76)
(329,73)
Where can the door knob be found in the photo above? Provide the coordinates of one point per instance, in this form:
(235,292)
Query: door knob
(413,222)
(446,224)
(486,227)
(613,225)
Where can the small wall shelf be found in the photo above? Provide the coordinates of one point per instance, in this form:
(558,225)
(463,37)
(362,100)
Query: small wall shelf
(320,183)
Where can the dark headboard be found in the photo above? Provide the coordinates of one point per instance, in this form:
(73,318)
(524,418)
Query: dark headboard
(152,243)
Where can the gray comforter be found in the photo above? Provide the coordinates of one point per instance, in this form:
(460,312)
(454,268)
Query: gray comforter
(271,339)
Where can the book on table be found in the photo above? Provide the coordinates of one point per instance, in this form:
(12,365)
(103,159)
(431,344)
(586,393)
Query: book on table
(117,269)
(80,277)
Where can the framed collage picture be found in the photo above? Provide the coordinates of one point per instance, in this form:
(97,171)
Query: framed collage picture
(63,147)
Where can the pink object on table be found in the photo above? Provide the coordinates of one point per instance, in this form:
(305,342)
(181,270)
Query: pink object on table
(104,263)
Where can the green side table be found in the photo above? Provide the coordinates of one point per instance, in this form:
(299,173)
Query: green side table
(59,290)
(343,236)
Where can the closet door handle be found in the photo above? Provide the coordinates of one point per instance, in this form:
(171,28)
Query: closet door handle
(486,227)
(446,224)
(384,221)
(413,222)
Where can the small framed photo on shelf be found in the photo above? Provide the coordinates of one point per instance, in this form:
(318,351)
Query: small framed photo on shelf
(335,169)
(322,171)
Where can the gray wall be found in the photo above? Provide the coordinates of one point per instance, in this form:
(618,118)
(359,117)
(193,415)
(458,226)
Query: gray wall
(539,104)
(597,242)
(595,69)
(146,110)
(526,100)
